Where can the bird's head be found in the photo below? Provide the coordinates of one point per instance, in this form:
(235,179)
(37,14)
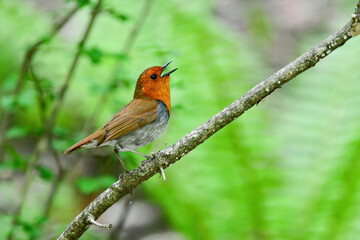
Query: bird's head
(154,83)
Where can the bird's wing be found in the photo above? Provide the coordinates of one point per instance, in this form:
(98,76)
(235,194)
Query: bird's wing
(136,114)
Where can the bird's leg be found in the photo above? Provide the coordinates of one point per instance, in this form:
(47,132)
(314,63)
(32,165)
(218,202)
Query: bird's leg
(139,153)
(121,161)
(147,157)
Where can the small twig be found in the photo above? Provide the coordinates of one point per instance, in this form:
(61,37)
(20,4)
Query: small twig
(163,173)
(130,180)
(41,95)
(102,225)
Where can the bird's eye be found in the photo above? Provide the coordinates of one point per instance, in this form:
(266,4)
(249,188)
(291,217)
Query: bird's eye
(154,76)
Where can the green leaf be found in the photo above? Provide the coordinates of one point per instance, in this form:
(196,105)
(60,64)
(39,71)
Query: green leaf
(80,3)
(120,56)
(17,132)
(118,16)
(27,98)
(61,131)
(10,82)
(89,185)
(32,228)
(17,162)
(83,3)
(95,55)
(45,173)
(7,102)
(46,38)
(96,87)
(61,144)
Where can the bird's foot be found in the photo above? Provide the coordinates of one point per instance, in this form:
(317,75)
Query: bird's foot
(147,158)
(141,165)
(125,171)
(121,161)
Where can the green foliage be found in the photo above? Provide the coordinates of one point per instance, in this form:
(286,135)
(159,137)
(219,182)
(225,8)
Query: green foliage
(287,169)
(9,82)
(17,132)
(8,103)
(32,229)
(94,54)
(317,120)
(80,3)
(45,173)
(16,162)
(18,29)
(116,15)
(89,185)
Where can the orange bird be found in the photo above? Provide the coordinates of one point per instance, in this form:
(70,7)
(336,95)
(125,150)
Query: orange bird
(141,121)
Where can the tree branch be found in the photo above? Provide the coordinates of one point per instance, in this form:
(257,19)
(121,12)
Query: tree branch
(130,180)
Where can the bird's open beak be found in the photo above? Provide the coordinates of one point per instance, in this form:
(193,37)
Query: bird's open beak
(168,73)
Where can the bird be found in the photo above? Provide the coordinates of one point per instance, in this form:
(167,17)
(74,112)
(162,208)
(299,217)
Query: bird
(141,121)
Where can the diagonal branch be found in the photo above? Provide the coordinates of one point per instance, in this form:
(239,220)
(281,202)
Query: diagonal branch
(130,180)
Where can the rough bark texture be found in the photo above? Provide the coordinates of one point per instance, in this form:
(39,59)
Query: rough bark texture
(130,180)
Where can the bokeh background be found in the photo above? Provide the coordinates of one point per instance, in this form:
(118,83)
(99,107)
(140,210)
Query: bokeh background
(289,168)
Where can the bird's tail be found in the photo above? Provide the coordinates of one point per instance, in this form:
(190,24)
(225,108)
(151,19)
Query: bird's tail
(97,136)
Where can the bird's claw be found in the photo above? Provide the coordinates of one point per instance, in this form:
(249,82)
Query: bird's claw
(141,165)
(125,171)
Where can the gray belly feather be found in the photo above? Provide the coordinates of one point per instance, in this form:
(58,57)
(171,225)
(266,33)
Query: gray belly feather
(144,135)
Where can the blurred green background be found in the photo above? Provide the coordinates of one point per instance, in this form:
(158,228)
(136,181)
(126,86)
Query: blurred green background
(288,168)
